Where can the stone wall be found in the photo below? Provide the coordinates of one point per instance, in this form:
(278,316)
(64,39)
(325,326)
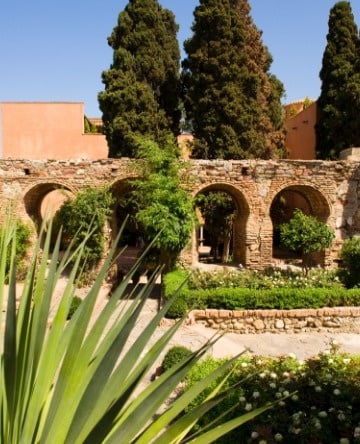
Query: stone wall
(330,189)
(337,319)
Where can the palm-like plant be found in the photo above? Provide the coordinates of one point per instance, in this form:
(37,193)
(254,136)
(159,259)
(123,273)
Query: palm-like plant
(74,381)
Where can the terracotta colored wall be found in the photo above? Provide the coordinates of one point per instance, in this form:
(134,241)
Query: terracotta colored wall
(300,138)
(38,130)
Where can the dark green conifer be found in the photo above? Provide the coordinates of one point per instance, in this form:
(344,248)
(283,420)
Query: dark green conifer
(142,85)
(231,99)
(338,125)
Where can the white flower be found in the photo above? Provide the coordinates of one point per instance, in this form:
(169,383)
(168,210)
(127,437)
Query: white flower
(272,385)
(346,360)
(357,432)
(278,437)
(242,399)
(244,364)
(256,395)
(254,435)
(322,414)
(263,441)
(344,441)
(286,393)
(337,392)
(295,397)
(248,407)
(318,389)
(341,416)
(262,375)
(273,375)
(286,374)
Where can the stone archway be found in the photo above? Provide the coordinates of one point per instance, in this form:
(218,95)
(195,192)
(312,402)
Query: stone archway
(241,215)
(44,199)
(304,197)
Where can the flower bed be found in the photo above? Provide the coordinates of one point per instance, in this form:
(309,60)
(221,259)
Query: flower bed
(319,399)
(251,291)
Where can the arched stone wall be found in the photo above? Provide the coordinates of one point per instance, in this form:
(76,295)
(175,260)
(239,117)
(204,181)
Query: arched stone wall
(331,188)
(311,201)
(35,195)
(240,222)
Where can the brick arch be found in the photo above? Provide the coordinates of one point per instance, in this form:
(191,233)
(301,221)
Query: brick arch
(319,205)
(240,222)
(34,197)
(310,200)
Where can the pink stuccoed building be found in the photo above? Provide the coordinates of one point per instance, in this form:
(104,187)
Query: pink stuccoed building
(47,130)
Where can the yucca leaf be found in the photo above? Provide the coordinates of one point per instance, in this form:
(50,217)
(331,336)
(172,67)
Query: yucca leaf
(127,374)
(160,423)
(151,398)
(221,430)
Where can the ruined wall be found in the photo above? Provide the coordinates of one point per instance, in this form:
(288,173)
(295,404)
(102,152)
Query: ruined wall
(332,190)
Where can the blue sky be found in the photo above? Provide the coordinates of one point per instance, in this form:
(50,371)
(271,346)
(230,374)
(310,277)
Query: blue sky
(56,50)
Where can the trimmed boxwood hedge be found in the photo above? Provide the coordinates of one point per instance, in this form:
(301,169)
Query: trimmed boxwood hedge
(249,299)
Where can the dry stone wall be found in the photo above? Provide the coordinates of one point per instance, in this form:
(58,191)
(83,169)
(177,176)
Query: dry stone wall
(337,319)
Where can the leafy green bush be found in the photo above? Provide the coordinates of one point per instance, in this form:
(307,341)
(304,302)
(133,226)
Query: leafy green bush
(350,255)
(305,235)
(76,301)
(175,355)
(267,279)
(23,235)
(80,380)
(319,398)
(280,293)
(90,208)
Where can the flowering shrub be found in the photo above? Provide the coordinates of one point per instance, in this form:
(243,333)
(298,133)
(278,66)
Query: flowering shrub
(319,399)
(270,278)
(272,289)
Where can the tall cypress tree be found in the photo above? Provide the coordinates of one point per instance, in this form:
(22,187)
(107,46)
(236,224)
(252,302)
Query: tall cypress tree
(338,124)
(230,97)
(141,95)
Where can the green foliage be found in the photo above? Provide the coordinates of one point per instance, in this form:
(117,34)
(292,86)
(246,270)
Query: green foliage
(90,208)
(76,301)
(246,290)
(218,210)
(270,278)
(141,95)
(80,380)
(350,256)
(307,102)
(23,235)
(321,398)
(231,99)
(338,124)
(162,204)
(305,235)
(175,355)
(89,127)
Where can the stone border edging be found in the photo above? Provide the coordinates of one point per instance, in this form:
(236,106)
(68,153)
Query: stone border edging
(340,319)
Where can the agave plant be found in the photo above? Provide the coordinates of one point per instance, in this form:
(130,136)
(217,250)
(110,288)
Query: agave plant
(77,381)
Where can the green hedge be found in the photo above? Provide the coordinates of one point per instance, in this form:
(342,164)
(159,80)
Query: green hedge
(246,299)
